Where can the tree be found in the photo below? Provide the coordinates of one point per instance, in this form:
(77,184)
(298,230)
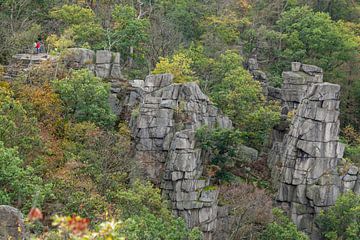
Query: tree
(282,228)
(341,221)
(312,37)
(241,98)
(131,32)
(81,22)
(19,186)
(179,65)
(17,128)
(85,98)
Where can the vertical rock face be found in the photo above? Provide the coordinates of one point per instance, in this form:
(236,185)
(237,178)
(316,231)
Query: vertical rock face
(164,128)
(295,85)
(305,163)
(309,181)
(11,223)
(297,81)
(104,63)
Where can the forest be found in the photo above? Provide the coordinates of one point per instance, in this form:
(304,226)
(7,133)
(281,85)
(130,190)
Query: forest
(78,170)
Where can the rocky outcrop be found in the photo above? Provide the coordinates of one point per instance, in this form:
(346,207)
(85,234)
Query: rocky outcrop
(104,63)
(296,83)
(164,127)
(310,153)
(305,163)
(11,223)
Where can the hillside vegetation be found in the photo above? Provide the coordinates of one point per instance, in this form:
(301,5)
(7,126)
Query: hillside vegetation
(67,161)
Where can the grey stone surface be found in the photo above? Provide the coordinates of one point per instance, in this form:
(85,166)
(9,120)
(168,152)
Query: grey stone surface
(103,57)
(11,223)
(304,161)
(104,63)
(169,115)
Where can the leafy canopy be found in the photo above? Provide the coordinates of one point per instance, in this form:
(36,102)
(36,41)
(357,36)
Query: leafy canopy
(341,221)
(85,98)
(282,228)
(314,38)
(179,65)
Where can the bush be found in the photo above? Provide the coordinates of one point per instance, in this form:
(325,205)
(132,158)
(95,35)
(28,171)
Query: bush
(179,65)
(242,99)
(85,98)
(17,129)
(282,228)
(341,221)
(250,207)
(223,145)
(352,140)
(19,185)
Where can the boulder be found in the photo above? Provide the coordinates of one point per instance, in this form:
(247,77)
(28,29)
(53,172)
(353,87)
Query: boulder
(11,223)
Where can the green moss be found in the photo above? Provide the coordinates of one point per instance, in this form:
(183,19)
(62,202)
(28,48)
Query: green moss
(210,188)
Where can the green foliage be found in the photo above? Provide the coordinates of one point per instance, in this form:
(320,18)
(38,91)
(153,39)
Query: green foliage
(223,145)
(241,98)
(282,228)
(352,140)
(141,199)
(19,185)
(185,15)
(341,221)
(178,65)
(312,37)
(150,227)
(85,98)
(79,21)
(17,129)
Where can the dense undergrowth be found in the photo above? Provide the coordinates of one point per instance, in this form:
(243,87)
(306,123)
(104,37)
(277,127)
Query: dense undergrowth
(64,152)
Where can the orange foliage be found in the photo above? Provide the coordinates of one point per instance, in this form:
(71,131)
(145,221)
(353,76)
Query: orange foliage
(35,214)
(44,103)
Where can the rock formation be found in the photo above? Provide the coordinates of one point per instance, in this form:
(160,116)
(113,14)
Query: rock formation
(164,127)
(305,164)
(11,223)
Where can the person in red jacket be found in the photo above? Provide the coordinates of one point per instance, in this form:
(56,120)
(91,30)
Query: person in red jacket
(37,46)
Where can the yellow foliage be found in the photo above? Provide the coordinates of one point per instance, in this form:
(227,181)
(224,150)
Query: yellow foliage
(179,65)
(58,44)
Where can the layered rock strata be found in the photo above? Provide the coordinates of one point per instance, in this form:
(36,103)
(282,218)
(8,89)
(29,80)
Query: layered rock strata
(296,83)
(310,153)
(306,156)
(164,127)
(104,63)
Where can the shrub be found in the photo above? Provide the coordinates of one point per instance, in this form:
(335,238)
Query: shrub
(85,98)
(179,65)
(341,221)
(223,145)
(19,186)
(282,228)
(250,207)
(242,99)
(16,127)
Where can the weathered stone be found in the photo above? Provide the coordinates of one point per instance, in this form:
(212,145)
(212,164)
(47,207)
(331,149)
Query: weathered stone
(209,195)
(116,71)
(192,185)
(295,66)
(246,154)
(11,223)
(207,214)
(305,160)
(103,57)
(311,69)
(353,170)
(103,70)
